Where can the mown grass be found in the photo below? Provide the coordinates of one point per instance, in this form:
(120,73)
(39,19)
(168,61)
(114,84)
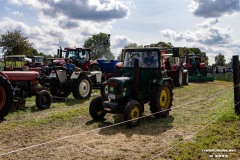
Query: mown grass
(195,106)
(223,134)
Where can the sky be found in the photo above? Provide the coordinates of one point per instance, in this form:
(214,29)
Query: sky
(211,25)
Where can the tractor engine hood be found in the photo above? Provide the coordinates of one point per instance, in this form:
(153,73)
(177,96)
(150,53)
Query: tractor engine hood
(120,86)
(21,75)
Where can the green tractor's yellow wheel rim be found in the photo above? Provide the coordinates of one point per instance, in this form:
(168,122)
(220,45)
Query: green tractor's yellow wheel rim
(135,113)
(3,97)
(165,98)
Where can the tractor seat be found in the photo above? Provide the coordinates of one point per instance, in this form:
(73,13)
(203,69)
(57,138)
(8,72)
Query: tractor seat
(25,68)
(21,75)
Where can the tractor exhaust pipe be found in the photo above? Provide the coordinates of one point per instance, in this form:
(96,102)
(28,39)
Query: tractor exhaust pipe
(59,52)
(136,79)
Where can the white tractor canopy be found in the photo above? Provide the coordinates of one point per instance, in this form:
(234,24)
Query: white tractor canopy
(18,58)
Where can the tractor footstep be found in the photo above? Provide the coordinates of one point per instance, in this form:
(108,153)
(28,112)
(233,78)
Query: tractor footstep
(61,99)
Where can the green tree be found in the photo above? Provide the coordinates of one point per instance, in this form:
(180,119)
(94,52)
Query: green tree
(131,45)
(14,43)
(100,44)
(220,60)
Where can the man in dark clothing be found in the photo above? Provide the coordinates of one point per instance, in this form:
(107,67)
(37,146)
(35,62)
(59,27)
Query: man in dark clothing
(149,60)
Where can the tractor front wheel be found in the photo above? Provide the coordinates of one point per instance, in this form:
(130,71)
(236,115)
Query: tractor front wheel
(43,99)
(96,110)
(132,113)
(161,100)
(6,96)
(82,87)
(104,90)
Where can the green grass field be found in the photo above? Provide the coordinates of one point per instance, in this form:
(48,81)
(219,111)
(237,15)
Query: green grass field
(202,118)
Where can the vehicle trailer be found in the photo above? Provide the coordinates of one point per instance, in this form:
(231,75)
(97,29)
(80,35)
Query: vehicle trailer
(142,83)
(16,86)
(198,71)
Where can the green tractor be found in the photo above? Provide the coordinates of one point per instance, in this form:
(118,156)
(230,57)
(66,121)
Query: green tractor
(144,81)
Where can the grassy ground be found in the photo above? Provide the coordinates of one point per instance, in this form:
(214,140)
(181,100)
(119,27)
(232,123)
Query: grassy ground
(66,131)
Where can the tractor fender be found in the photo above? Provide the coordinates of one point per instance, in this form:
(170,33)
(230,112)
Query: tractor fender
(2,73)
(162,81)
(98,75)
(75,75)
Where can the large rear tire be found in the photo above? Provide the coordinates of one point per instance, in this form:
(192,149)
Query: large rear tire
(57,89)
(95,67)
(185,78)
(178,78)
(6,96)
(82,87)
(132,113)
(96,110)
(43,99)
(161,100)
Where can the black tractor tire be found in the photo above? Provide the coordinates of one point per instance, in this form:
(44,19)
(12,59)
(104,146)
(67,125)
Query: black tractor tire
(177,78)
(96,110)
(104,90)
(43,99)
(132,113)
(57,89)
(161,100)
(185,78)
(95,67)
(118,72)
(82,87)
(6,97)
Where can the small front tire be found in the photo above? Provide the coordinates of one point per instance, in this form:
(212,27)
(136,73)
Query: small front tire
(43,99)
(96,110)
(132,113)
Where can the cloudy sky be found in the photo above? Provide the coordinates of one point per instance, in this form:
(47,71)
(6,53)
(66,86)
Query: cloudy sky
(211,25)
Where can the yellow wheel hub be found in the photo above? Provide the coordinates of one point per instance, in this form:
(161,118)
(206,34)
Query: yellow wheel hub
(165,98)
(135,113)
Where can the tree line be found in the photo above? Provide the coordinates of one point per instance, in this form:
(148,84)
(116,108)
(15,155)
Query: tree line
(15,43)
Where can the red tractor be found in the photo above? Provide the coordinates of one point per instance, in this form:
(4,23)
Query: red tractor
(16,86)
(81,58)
(171,63)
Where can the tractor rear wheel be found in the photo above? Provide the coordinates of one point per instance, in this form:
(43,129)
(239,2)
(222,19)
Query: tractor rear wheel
(185,78)
(82,87)
(96,110)
(178,78)
(58,89)
(43,99)
(95,67)
(132,113)
(6,96)
(161,100)
(104,90)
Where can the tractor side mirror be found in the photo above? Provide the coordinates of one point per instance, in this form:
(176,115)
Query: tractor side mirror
(176,52)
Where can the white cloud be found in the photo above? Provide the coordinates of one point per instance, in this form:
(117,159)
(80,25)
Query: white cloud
(214,8)
(118,42)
